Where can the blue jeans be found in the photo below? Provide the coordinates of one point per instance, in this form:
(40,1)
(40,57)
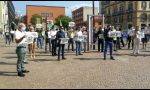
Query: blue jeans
(78,47)
(40,42)
(108,43)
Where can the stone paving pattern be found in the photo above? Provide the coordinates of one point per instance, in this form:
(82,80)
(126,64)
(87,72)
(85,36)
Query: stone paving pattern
(88,71)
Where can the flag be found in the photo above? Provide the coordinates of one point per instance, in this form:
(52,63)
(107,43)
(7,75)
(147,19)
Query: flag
(60,23)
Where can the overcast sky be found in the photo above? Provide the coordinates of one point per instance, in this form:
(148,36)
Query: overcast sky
(20,6)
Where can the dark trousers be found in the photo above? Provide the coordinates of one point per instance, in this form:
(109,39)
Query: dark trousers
(61,49)
(100,44)
(130,41)
(78,47)
(48,41)
(12,37)
(108,43)
(7,39)
(70,41)
(122,42)
(53,41)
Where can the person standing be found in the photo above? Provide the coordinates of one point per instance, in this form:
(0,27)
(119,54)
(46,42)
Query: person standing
(47,40)
(145,39)
(78,33)
(84,32)
(21,49)
(70,35)
(60,34)
(130,37)
(32,45)
(100,35)
(108,42)
(7,37)
(53,41)
(12,35)
(40,38)
(136,39)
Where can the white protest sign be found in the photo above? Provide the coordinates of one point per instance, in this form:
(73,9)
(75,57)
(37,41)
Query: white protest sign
(146,31)
(64,40)
(80,38)
(131,33)
(53,37)
(112,34)
(85,38)
(118,34)
(29,39)
(142,35)
(100,36)
(71,24)
(38,25)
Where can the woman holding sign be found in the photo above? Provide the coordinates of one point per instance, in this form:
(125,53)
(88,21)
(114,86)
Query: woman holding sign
(32,46)
(136,40)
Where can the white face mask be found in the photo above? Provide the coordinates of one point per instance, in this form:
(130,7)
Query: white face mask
(23,29)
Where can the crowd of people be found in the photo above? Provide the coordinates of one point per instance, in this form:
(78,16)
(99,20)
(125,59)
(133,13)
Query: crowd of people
(51,41)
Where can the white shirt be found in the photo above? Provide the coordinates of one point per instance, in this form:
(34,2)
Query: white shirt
(53,34)
(19,35)
(77,34)
(49,34)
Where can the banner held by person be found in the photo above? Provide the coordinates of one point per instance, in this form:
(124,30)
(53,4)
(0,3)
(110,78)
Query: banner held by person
(64,40)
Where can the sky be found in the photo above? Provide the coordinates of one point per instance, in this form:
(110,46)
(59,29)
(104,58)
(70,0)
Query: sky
(20,6)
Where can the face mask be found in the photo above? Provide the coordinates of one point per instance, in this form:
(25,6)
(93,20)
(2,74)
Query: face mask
(23,29)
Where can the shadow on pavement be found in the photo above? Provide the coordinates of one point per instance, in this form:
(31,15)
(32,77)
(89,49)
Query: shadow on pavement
(41,60)
(89,58)
(144,55)
(10,57)
(5,73)
(4,63)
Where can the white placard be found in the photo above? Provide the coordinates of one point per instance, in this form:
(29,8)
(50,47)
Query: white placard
(142,35)
(101,36)
(38,25)
(34,34)
(80,38)
(118,34)
(29,39)
(85,38)
(146,31)
(114,34)
(64,40)
(131,33)
(53,37)
(71,24)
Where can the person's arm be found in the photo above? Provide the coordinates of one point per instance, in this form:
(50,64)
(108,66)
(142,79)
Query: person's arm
(19,40)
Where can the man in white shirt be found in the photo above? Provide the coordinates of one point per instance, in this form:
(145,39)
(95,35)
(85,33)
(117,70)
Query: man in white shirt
(20,38)
(47,40)
(53,41)
(78,41)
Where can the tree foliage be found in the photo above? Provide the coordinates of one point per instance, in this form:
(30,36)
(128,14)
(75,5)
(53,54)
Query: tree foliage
(33,19)
(64,19)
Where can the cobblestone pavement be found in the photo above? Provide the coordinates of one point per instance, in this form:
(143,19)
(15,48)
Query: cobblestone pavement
(88,71)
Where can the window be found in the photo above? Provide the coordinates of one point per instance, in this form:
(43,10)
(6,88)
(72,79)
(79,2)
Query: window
(143,17)
(149,5)
(143,5)
(129,17)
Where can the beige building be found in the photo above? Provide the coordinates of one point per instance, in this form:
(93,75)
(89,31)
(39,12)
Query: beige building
(3,16)
(126,13)
(80,15)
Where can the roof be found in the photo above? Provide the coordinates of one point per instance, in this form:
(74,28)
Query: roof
(45,6)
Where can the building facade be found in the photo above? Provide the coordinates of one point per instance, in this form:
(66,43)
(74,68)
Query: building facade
(79,15)
(126,14)
(52,11)
(3,16)
(11,15)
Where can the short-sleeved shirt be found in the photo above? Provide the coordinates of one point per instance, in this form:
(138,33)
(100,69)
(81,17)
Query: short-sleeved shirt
(19,35)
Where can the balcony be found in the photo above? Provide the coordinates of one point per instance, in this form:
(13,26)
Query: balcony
(129,11)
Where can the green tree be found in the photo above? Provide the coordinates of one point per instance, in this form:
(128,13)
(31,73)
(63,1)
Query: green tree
(64,19)
(33,19)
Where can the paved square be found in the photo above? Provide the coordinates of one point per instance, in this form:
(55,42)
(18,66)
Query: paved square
(87,71)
